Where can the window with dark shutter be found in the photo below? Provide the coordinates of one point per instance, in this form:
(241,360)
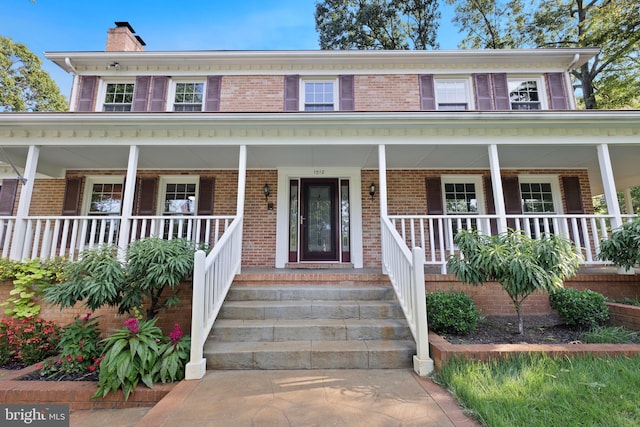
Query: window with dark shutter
(141,94)
(434,204)
(483,92)
(145,199)
(87,93)
(427,92)
(8,196)
(205,196)
(501,91)
(557,91)
(347,93)
(291,93)
(71,201)
(572,194)
(212,98)
(159,93)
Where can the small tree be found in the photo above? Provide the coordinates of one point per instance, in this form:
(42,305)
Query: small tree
(100,279)
(623,246)
(520,264)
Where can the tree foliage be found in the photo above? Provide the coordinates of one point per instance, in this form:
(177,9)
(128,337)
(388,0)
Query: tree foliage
(610,80)
(24,85)
(623,246)
(377,24)
(520,264)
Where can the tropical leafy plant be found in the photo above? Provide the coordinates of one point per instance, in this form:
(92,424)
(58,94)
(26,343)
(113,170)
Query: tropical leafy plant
(520,264)
(174,355)
(131,356)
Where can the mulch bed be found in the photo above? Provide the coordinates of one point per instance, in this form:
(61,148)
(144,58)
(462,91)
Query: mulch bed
(547,329)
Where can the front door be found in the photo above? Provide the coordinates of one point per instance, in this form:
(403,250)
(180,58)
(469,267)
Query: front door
(319,220)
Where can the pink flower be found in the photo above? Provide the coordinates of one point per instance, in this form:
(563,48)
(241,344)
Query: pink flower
(133,325)
(175,334)
(85,318)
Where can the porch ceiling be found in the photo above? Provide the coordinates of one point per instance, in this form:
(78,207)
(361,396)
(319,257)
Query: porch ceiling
(55,160)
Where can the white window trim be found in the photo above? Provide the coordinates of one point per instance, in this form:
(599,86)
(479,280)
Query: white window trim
(467,87)
(465,179)
(555,190)
(90,180)
(171,96)
(176,179)
(102,89)
(540,84)
(336,93)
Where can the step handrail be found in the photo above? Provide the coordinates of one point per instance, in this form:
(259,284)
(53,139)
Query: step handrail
(212,278)
(406,272)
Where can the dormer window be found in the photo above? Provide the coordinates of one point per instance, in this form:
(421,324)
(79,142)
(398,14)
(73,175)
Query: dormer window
(524,94)
(118,97)
(188,96)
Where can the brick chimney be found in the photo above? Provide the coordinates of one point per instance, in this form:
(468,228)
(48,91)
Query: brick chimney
(122,38)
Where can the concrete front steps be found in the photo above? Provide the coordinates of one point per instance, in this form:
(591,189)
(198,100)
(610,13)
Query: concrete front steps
(310,327)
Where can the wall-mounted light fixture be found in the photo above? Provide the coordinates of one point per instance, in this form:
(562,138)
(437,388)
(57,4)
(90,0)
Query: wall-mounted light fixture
(372,190)
(267,191)
(114,66)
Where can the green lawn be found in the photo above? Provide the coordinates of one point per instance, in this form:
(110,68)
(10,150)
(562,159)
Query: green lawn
(542,391)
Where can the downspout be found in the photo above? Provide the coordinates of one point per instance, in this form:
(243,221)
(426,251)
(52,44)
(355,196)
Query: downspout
(567,77)
(74,85)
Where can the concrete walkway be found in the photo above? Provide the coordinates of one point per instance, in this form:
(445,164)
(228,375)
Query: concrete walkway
(337,397)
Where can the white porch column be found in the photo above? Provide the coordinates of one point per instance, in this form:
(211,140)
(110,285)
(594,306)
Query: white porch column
(242,183)
(382,194)
(628,201)
(127,200)
(496,183)
(17,242)
(609,185)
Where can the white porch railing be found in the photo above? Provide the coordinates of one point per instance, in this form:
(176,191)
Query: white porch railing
(435,233)
(51,236)
(212,278)
(6,233)
(406,271)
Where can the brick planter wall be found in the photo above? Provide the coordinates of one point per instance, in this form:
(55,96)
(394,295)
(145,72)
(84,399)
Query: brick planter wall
(624,315)
(76,394)
(493,301)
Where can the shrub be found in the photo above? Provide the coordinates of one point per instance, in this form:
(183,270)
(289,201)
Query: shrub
(585,309)
(80,349)
(623,246)
(28,341)
(609,335)
(29,280)
(451,313)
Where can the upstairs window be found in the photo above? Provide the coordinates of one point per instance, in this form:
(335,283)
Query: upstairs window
(524,94)
(118,97)
(319,95)
(188,97)
(452,95)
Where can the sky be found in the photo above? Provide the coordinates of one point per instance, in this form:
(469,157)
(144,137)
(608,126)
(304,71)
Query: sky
(167,25)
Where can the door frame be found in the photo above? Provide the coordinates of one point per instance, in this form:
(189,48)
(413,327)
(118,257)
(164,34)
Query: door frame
(355,203)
